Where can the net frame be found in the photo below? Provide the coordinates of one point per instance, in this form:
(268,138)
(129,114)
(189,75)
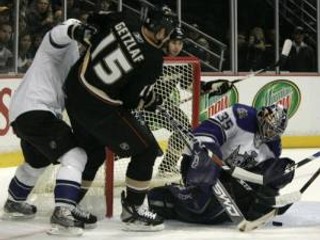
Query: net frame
(110,159)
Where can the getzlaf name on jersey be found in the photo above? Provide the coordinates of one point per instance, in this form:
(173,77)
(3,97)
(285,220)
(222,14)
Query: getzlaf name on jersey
(120,58)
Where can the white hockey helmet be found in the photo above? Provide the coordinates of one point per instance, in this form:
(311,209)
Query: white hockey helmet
(71,21)
(272,122)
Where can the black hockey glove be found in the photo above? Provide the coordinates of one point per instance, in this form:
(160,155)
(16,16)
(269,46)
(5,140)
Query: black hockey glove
(216,89)
(149,99)
(81,33)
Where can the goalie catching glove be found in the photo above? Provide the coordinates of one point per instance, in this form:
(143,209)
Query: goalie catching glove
(149,99)
(214,88)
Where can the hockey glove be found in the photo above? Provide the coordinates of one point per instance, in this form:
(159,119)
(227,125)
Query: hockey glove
(149,99)
(214,89)
(198,168)
(81,33)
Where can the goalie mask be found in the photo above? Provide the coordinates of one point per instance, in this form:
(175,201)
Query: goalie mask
(272,122)
(157,18)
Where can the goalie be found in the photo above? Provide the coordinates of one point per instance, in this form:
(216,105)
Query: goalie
(243,137)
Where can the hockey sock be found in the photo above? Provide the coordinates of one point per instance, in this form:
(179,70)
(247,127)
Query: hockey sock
(68,179)
(23,182)
(135,197)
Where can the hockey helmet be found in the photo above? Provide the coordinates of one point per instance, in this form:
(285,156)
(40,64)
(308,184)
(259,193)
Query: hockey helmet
(272,122)
(156,18)
(71,21)
(177,34)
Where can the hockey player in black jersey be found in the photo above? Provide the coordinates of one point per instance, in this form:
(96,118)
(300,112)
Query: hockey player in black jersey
(115,76)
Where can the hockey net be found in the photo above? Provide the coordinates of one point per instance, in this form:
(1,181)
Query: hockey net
(179,85)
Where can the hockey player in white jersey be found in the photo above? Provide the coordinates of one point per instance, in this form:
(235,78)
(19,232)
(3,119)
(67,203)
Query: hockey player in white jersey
(241,136)
(36,118)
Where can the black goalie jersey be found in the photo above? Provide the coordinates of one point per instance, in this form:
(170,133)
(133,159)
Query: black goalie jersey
(120,61)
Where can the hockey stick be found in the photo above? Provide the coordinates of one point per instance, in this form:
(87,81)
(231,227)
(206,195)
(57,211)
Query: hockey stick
(139,116)
(245,225)
(219,190)
(212,88)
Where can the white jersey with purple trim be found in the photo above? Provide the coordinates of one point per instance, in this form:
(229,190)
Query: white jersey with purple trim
(234,130)
(41,86)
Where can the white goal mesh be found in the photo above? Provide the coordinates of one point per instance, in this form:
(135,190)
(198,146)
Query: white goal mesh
(179,86)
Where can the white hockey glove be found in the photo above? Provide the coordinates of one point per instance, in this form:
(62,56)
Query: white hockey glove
(149,99)
(214,88)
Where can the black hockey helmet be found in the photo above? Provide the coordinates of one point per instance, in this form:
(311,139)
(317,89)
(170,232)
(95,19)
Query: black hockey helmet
(272,122)
(155,18)
(177,34)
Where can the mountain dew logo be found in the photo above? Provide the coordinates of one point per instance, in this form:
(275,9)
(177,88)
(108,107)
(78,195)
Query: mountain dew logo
(210,105)
(280,91)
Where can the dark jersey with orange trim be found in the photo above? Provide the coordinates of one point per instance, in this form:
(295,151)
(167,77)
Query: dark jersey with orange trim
(120,62)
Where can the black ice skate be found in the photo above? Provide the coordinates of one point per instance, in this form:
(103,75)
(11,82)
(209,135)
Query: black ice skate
(89,220)
(138,218)
(19,210)
(63,223)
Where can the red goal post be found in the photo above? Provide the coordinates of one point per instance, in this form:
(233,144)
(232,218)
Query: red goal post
(184,73)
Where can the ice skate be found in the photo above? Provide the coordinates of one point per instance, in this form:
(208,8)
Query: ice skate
(64,224)
(89,220)
(138,218)
(19,210)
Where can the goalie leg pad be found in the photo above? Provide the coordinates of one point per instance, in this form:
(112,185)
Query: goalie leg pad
(160,201)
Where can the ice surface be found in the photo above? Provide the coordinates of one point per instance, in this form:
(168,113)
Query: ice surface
(301,222)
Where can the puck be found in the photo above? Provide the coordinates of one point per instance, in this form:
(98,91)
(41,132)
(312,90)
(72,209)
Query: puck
(277,224)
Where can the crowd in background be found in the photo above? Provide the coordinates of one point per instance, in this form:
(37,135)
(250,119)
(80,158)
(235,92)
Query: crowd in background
(256,45)
(36,17)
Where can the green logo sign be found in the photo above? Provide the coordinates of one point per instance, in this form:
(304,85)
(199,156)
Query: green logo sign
(210,105)
(280,91)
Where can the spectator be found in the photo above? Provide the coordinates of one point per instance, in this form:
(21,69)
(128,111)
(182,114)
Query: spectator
(36,41)
(256,49)
(22,15)
(270,53)
(302,56)
(4,14)
(73,9)
(174,45)
(39,17)
(58,17)
(6,56)
(242,52)
(25,57)
(104,5)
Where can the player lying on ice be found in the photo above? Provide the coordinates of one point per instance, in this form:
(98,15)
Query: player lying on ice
(243,137)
